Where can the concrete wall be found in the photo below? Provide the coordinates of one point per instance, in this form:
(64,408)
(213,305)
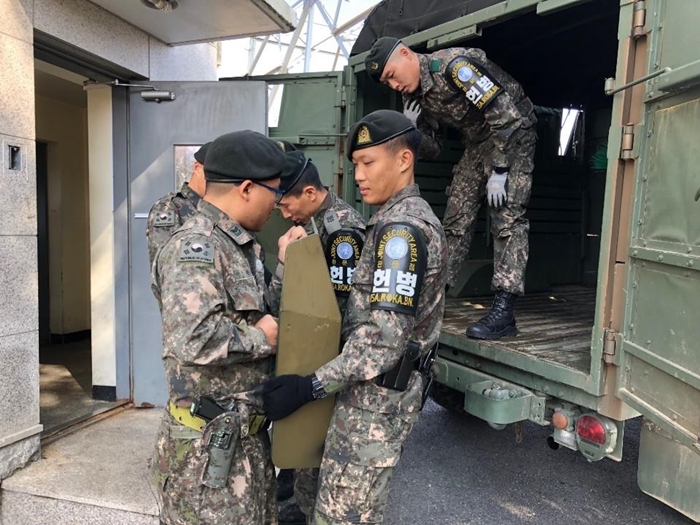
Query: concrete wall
(114,42)
(64,127)
(19,320)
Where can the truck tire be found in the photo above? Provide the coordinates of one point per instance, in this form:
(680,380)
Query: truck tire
(448,398)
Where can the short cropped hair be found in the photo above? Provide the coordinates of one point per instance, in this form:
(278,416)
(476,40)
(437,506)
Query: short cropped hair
(410,140)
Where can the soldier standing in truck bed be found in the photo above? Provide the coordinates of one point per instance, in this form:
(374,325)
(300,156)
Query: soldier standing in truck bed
(461,88)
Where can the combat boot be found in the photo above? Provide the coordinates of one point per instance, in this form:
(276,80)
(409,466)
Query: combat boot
(499,322)
(291,514)
(285,484)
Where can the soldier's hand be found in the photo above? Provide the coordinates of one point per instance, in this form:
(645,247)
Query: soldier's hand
(293,234)
(270,328)
(497,195)
(286,394)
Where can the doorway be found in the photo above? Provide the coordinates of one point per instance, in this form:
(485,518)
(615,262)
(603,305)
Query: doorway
(63,229)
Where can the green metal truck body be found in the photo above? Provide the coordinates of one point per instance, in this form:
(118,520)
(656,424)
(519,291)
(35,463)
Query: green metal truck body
(610,324)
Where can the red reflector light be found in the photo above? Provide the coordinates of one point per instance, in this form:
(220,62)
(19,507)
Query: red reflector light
(590,429)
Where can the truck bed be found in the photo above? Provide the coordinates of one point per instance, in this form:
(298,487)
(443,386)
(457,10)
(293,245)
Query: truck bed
(554,327)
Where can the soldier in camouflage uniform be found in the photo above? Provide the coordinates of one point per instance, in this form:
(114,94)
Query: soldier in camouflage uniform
(219,341)
(309,204)
(463,89)
(392,320)
(170,212)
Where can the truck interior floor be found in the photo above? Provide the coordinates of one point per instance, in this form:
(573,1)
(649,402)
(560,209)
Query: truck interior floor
(553,326)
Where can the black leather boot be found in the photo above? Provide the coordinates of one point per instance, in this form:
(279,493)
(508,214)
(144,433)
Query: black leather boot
(285,484)
(291,514)
(499,322)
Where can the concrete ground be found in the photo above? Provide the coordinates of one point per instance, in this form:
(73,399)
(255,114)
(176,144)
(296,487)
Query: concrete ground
(66,385)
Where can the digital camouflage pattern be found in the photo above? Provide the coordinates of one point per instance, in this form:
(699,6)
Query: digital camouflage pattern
(167,215)
(370,423)
(306,480)
(348,218)
(209,281)
(500,135)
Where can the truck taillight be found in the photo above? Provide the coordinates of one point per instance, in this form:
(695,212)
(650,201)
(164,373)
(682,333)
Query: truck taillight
(590,429)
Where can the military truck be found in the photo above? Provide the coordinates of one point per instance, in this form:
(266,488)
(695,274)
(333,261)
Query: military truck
(610,323)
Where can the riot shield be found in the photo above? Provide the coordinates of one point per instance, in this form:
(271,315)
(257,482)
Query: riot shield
(309,337)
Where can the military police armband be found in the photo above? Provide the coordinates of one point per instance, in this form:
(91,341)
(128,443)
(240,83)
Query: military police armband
(470,77)
(400,260)
(342,255)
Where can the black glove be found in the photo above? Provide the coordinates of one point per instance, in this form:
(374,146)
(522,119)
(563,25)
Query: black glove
(284,395)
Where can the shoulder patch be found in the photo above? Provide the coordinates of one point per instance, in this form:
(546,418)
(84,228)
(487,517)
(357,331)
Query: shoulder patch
(164,219)
(400,262)
(343,250)
(470,77)
(197,250)
(331,221)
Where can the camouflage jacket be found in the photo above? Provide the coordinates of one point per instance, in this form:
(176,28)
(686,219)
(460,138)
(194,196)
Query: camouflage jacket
(333,214)
(441,102)
(210,285)
(167,215)
(377,339)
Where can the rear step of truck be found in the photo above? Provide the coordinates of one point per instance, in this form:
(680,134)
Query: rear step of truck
(553,326)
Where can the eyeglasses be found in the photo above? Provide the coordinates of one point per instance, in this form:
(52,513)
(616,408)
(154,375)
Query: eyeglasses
(278,192)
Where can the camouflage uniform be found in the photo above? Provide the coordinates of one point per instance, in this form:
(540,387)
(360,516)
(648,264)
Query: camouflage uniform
(370,423)
(209,281)
(500,135)
(167,215)
(333,214)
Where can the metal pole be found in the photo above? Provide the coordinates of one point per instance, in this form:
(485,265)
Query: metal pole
(310,35)
(331,26)
(254,63)
(290,51)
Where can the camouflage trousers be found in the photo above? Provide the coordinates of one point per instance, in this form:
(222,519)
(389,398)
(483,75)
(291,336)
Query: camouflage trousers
(509,227)
(362,449)
(178,466)
(306,489)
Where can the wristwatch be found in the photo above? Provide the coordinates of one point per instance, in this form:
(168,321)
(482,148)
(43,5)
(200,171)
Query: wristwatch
(317,389)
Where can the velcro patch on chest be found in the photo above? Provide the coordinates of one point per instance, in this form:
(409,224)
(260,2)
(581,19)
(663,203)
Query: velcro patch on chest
(164,219)
(197,251)
(470,77)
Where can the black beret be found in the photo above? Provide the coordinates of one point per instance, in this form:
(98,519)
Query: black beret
(295,165)
(201,153)
(379,55)
(377,128)
(286,146)
(243,155)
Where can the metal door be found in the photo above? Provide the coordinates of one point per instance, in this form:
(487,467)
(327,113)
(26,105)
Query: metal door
(659,373)
(158,134)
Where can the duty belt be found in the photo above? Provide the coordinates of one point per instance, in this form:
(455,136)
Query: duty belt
(182,415)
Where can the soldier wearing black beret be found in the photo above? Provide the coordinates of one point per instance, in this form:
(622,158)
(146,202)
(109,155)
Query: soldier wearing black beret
(461,88)
(391,322)
(219,341)
(171,211)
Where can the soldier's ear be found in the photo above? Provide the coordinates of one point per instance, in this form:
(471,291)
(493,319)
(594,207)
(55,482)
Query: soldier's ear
(310,192)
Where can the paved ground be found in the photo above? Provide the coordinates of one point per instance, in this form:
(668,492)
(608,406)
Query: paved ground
(458,471)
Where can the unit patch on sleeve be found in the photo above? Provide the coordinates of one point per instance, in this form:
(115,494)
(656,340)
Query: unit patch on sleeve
(342,255)
(400,260)
(467,75)
(196,250)
(165,218)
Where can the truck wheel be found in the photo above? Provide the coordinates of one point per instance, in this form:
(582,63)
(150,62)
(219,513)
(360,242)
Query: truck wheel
(447,398)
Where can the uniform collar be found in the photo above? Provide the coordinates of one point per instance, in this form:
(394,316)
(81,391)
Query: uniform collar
(321,212)
(190,194)
(426,78)
(411,190)
(225,223)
